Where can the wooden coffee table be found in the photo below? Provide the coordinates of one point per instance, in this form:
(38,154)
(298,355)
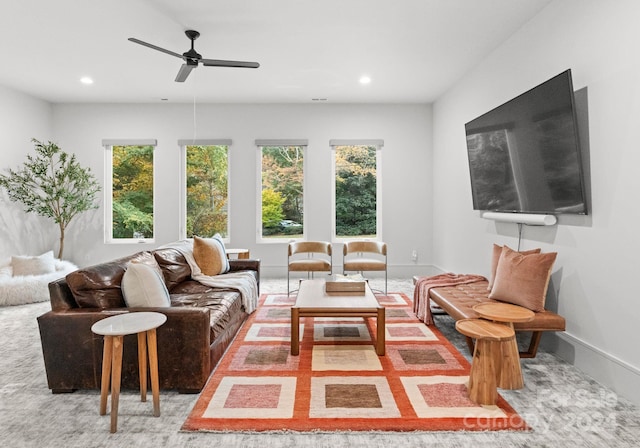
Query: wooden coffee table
(313,301)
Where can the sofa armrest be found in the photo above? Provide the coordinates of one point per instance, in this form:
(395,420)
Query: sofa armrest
(239,264)
(73,353)
(61,296)
(246,265)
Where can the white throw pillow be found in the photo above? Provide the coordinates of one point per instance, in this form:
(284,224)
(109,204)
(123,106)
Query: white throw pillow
(42,264)
(142,286)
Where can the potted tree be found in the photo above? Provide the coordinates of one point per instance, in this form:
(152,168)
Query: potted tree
(52,184)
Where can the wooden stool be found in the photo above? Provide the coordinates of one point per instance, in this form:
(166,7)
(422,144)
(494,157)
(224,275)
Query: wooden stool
(506,314)
(486,366)
(114,329)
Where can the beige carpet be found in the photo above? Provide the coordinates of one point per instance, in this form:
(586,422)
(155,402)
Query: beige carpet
(566,408)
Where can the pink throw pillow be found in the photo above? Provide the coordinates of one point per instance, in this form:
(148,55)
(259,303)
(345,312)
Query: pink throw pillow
(495,257)
(523,279)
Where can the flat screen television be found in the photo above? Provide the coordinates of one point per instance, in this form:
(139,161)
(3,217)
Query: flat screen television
(524,156)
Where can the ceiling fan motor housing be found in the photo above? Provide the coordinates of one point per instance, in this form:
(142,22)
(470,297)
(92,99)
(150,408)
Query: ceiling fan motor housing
(191,57)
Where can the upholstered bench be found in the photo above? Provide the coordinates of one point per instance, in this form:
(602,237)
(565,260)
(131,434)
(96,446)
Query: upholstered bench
(458,301)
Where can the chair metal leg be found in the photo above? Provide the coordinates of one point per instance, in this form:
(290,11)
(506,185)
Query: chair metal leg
(385,283)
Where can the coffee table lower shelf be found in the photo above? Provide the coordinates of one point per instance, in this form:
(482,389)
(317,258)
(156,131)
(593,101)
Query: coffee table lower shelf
(314,301)
(297,313)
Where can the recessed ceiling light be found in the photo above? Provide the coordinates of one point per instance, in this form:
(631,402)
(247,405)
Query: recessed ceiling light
(86,80)
(365,80)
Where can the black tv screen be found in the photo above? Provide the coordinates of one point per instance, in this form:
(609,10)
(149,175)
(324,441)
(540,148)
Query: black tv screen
(524,156)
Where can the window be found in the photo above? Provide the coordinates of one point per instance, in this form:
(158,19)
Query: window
(206,188)
(281,198)
(129,199)
(356,189)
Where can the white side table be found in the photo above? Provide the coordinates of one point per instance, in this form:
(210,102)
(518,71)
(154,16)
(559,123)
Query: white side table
(241,254)
(114,329)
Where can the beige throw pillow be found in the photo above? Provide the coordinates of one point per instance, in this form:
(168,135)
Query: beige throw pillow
(523,279)
(210,255)
(42,264)
(495,257)
(142,286)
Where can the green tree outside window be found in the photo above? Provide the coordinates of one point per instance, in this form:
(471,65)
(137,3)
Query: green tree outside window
(207,190)
(132,191)
(356,191)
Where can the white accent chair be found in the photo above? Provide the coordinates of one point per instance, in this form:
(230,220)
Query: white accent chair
(365,256)
(309,257)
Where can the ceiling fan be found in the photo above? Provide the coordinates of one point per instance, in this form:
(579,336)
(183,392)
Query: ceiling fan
(193,58)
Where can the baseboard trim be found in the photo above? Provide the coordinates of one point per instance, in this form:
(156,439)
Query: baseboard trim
(609,356)
(604,367)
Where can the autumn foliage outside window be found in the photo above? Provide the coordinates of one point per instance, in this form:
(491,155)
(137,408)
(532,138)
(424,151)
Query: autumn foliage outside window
(282,191)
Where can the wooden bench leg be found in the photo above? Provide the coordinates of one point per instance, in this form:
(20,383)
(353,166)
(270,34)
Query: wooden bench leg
(533,345)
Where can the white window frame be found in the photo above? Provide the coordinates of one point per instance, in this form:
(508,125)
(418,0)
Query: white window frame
(378,143)
(261,143)
(183,143)
(108,145)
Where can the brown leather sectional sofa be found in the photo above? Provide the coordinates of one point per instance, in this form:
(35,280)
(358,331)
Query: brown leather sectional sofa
(201,323)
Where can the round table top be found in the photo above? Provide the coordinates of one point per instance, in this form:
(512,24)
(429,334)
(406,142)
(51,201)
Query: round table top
(128,323)
(504,312)
(484,329)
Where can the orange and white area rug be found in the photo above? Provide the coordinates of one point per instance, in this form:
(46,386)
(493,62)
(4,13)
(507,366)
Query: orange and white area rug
(338,383)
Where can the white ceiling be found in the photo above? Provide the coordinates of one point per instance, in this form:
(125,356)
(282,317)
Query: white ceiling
(413,50)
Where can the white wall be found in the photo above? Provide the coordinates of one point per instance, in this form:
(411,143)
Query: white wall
(406,169)
(595,273)
(22,118)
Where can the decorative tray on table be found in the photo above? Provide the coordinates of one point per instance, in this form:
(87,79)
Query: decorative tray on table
(346,283)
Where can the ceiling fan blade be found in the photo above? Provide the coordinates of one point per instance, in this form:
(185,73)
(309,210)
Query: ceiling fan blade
(221,63)
(184,72)
(155,47)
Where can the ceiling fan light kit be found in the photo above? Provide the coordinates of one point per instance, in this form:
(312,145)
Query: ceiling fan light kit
(192,58)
